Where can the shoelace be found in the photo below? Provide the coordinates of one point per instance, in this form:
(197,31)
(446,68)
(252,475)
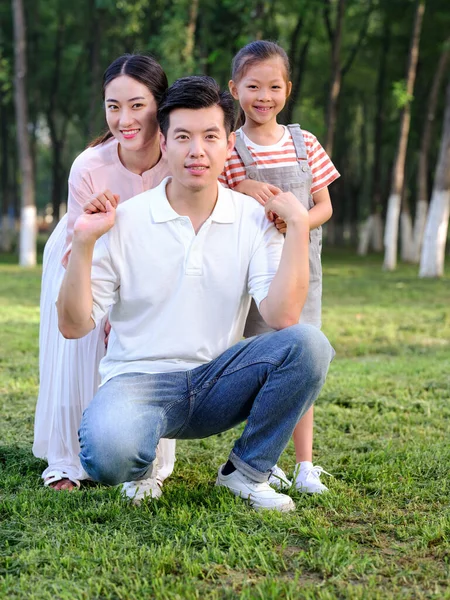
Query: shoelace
(316,471)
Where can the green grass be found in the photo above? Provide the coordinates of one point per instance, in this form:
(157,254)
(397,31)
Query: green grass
(382,423)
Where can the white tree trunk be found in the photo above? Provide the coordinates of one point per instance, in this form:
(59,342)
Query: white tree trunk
(6,233)
(391,232)
(406,239)
(27,254)
(433,251)
(377,233)
(28,228)
(365,235)
(419,229)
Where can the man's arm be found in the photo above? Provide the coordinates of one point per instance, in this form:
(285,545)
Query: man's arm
(75,297)
(288,290)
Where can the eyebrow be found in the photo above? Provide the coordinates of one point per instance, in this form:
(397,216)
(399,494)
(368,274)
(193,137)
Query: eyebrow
(129,100)
(184,130)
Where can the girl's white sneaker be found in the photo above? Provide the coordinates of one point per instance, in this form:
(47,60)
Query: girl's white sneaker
(307,478)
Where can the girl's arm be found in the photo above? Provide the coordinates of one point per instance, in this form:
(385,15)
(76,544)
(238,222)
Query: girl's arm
(322,210)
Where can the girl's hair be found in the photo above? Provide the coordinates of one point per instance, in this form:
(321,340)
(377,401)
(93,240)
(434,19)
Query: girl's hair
(254,53)
(140,67)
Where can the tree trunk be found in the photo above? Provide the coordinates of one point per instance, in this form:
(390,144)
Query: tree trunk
(394,202)
(422,173)
(7,223)
(188,54)
(97,27)
(433,250)
(372,230)
(27,253)
(336,78)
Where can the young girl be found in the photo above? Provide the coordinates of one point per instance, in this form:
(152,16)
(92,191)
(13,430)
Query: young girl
(127,160)
(268,158)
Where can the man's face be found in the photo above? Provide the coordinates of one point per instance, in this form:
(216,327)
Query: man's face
(197,146)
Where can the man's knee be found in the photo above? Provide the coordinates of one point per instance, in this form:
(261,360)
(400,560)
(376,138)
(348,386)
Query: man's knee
(311,348)
(112,453)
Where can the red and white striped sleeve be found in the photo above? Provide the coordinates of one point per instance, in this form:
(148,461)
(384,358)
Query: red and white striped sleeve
(233,172)
(323,170)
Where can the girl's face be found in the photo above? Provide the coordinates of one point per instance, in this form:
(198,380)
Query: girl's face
(262,90)
(131,113)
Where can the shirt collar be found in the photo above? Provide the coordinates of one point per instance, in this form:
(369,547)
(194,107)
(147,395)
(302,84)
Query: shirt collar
(162,212)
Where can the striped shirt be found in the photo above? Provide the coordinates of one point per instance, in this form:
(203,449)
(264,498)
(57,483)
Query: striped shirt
(282,154)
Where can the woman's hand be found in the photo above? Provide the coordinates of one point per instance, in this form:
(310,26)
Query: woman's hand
(98,202)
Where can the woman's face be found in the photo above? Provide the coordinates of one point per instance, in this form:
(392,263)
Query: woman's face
(131,113)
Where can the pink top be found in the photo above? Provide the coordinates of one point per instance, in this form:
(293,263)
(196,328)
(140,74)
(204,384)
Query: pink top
(99,168)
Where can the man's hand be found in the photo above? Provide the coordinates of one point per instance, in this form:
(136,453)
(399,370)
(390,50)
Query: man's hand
(98,202)
(286,206)
(89,227)
(259,190)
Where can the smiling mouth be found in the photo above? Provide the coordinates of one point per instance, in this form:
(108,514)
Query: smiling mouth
(129,132)
(263,108)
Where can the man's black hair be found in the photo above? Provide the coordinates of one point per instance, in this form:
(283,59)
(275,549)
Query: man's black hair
(195,92)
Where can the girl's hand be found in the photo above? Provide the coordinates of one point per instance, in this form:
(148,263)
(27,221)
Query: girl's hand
(280,225)
(98,202)
(286,206)
(258,190)
(107,332)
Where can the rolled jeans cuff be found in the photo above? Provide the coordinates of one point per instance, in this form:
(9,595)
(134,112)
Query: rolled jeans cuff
(247,470)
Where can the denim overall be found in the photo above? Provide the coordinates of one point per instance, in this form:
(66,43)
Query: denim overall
(298,180)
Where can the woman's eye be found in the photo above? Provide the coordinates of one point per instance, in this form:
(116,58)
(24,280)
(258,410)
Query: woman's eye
(138,105)
(112,107)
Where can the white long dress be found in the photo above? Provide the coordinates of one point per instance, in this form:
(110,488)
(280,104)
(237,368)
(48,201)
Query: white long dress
(69,368)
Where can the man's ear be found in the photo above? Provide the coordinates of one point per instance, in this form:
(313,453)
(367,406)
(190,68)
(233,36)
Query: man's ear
(230,144)
(162,143)
(289,89)
(233,89)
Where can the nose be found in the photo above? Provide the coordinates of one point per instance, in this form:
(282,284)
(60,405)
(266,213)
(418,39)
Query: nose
(126,117)
(263,94)
(196,147)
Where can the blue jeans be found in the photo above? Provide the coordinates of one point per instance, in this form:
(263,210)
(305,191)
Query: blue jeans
(270,381)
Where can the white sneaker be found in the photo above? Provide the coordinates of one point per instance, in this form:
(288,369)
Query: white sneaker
(143,488)
(260,495)
(278,479)
(307,478)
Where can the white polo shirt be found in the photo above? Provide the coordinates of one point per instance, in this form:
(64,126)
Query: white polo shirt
(179,299)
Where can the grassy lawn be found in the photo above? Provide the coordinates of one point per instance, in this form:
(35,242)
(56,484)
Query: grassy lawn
(382,429)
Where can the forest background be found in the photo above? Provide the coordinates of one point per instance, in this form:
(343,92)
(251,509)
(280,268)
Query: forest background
(369,79)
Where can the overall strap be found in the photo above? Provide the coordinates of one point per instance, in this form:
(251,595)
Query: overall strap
(299,141)
(243,151)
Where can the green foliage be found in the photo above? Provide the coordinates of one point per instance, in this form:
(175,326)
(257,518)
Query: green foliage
(382,532)
(400,94)
(94,32)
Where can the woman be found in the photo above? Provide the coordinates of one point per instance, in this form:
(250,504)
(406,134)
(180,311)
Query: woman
(126,160)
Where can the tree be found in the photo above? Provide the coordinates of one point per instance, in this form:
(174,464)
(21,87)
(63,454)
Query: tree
(27,254)
(398,174)
(433,251)
(422,172)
